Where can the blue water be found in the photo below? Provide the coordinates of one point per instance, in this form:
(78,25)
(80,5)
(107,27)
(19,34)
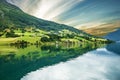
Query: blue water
(100,64)
(61,62)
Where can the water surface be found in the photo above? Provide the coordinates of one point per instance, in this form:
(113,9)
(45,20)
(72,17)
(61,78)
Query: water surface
(99,64)
(60,62)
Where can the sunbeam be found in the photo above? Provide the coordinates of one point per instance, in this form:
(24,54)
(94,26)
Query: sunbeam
(77,13)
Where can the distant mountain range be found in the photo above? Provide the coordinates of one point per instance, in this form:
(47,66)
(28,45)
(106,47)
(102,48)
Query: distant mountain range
(115,36)
(12,16)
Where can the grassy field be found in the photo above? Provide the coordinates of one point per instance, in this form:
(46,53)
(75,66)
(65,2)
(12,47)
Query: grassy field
(7,40)
(5,49)
(29,39)
(40,36)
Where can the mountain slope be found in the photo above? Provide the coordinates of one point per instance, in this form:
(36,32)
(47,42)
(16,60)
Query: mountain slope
(12,16)
(17,27)
(115,36)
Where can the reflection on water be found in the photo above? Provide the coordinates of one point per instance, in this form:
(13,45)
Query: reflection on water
(99,64)
(15,62)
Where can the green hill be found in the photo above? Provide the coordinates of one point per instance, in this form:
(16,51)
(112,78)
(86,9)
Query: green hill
(12,16)
(19,27)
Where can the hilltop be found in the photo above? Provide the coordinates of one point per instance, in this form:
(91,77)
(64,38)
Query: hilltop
(18,27)
(12,16)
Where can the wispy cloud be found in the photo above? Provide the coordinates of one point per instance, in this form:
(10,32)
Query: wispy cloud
(72,12)
(46,9)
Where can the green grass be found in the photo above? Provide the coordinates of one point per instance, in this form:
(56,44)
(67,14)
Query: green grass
(32,37)
(29,39)
(72,40)
(5,49)
(4,41)
(7,40)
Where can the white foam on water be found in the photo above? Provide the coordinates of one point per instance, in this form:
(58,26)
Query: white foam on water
(86,67)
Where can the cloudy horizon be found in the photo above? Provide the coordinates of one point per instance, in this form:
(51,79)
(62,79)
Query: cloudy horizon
(77,13)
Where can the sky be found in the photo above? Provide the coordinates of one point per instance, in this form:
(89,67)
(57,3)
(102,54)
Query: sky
(76,13)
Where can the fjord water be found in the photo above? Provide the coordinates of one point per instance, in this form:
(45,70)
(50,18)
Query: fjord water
(65,62)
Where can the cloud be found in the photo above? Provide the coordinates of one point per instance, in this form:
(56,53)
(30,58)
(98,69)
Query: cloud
(46,9)
(95,65)
(72,12)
